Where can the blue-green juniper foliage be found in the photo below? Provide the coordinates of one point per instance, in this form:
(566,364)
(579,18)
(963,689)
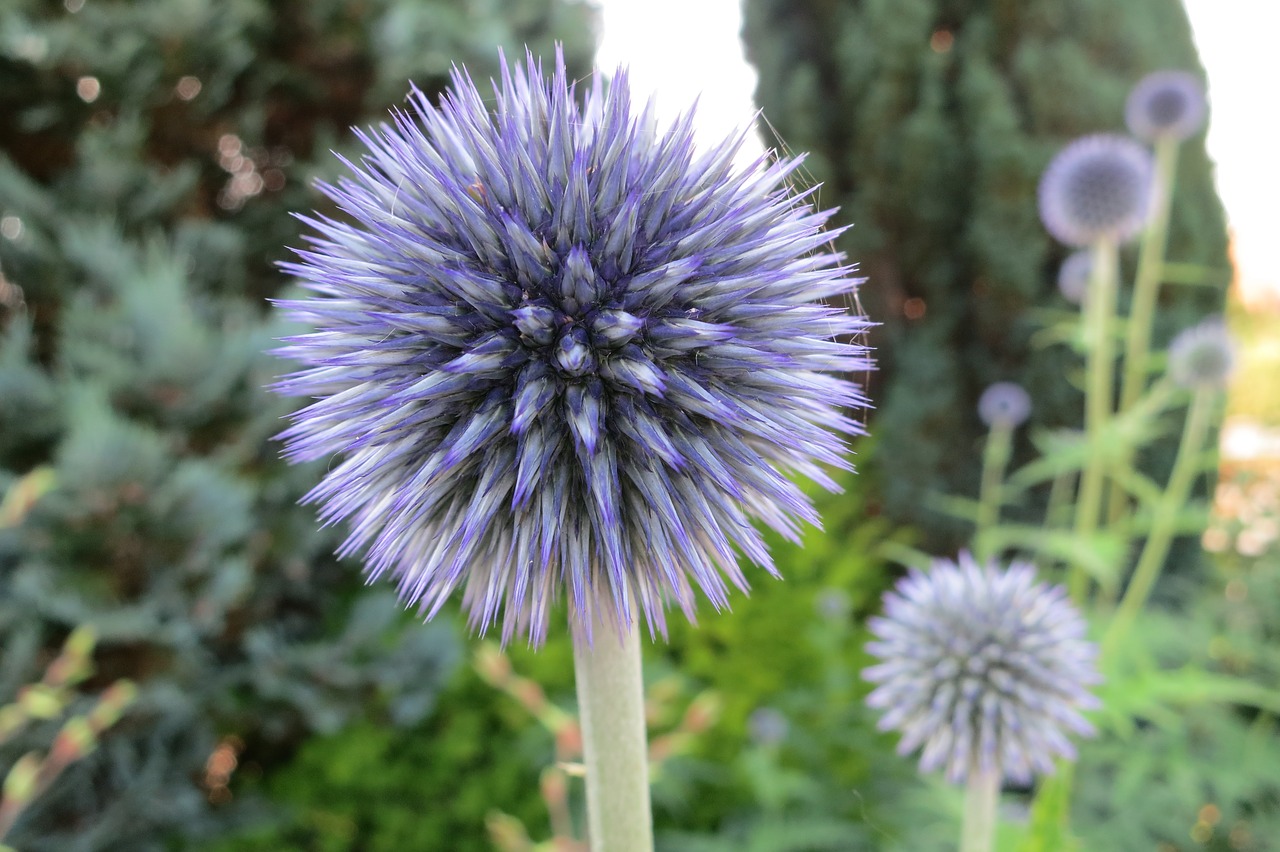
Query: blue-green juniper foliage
(561,351)
(984,668)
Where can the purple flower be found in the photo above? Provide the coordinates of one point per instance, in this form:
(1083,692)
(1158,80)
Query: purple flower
(561,352)
(1004,404)
(767,726)
(1202,356)
(1166,105)
(1074,274)
(1097,188)
(983,668)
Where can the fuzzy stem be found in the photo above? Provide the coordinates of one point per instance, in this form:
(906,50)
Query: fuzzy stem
(611,705)
(995,458)
(1151,561)
(1100,309)
(981,795)
(1146,287)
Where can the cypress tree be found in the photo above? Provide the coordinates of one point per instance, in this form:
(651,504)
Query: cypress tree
(929,123)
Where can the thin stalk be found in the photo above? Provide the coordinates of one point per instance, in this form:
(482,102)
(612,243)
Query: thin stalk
(995,458)
(1100,309)
(1057,509)
(981,795)
(1146,289)
(1164,524)
(614,749)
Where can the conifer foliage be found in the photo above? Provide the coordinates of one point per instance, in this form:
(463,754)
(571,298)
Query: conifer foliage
(148,157)
(929,123)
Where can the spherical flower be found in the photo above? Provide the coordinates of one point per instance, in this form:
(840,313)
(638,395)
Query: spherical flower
(1166,105)
(767,726)
(1202,356)
(984,668)
(1004,404)
(563,353)
(1097,188)
(1074,274)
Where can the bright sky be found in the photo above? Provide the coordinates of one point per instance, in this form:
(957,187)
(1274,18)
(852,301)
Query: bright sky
(687,49)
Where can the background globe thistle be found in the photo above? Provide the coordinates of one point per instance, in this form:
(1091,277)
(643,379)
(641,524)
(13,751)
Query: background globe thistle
(1004,404)
(562,352)
(1166,105)
(1202,356)
(1098,187)
(987,669)
(1073,276)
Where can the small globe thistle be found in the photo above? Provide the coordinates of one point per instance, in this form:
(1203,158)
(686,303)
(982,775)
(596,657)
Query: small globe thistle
(1202,356)
(1098,187)
(986,669)
(1074,274)
(1004,404)
(563,353)
(1166,105)
(767,726)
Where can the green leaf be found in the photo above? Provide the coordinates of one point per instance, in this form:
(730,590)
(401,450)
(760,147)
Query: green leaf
(903,554)
(1048,831)
(1100,555)
(964,508)
(1195,275)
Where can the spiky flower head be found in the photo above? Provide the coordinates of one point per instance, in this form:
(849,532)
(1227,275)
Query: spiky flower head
(1166,105)
(1097,188)
(1074,274)
(1202,356)
(561,352)
(985,668)
(1004,404)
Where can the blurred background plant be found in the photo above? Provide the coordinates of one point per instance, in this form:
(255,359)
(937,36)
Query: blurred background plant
(48,701)
(147,158)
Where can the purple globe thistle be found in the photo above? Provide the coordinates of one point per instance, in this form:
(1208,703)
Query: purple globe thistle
(563,353)
(1202,356)
(1166,105)
(767,726)
(1004,404)
(987,669)
(1074,274)
(1097,188)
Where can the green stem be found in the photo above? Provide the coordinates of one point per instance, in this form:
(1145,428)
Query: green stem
(1146,289)
(995,458)
(1100,309)
(1056,510)
(981,795)
(611,705)
(1156,549)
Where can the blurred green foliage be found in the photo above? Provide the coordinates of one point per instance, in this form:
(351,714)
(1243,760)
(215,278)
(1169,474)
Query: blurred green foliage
(928,122)
(793,646)
(150,155)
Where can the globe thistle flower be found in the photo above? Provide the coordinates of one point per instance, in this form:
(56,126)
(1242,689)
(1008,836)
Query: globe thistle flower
(767,726)
(1166,105)
(1098,187)
(984,668)
(1074,274)
(561,352)
(1202,356)
(1004,404)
